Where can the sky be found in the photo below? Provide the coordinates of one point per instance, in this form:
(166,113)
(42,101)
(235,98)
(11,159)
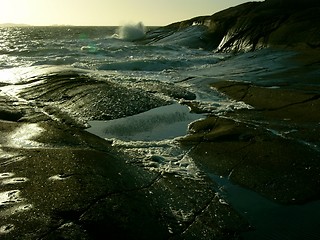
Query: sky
(107,12)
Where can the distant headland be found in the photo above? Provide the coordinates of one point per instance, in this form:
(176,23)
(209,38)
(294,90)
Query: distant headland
(256,25)
(14,25)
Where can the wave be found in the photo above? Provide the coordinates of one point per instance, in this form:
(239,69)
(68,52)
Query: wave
(195,37)
(159,64)
(131,32)
(141,65)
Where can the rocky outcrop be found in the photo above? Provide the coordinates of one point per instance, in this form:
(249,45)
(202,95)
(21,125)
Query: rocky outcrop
(272,147)
(269,149)
(271,25)
(58,181)
(75,98)
(255,25)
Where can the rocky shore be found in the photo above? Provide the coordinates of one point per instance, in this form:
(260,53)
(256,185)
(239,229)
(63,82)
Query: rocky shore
(277,158)
(58,181)
(251,26)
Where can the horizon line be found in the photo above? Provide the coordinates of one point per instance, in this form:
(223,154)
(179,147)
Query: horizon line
(63,25)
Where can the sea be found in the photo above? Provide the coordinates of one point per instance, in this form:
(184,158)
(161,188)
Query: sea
(116,54)
(98,49)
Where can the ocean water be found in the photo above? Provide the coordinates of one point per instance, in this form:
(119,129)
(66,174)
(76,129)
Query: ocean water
(96,49)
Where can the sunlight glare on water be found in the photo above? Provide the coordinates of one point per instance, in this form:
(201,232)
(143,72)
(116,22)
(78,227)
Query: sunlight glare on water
(24,135)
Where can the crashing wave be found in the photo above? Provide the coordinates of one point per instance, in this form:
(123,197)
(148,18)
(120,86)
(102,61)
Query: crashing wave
(131,32)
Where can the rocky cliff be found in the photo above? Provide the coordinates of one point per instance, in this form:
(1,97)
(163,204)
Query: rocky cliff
(254,25)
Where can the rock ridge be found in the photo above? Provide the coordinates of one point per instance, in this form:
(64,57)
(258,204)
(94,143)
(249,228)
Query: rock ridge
(255,25)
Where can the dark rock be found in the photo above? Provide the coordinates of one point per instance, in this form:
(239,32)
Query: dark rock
(269,148)
(254,25)
(75,98)
(75,191)
(58,181)
(8,111)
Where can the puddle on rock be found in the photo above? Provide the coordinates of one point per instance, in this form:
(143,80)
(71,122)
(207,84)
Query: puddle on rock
(16,209)
(167,122)
(60,177)
(7,159)
(149,139)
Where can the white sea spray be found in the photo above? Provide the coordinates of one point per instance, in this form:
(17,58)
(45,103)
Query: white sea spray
(132,32)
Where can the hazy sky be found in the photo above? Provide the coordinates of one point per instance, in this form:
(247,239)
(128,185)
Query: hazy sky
(107,12)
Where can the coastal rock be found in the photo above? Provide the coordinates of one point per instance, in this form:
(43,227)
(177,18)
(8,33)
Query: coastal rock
(273,146)
(85,189)
(273,165)
(251,26)
(75,98)
(58,181)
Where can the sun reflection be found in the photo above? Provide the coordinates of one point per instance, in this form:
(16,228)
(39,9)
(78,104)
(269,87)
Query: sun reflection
(6,228)
(10,197)
(17,75)
(8,76)
(24,135)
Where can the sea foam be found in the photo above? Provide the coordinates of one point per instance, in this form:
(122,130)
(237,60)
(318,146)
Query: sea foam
(132,32)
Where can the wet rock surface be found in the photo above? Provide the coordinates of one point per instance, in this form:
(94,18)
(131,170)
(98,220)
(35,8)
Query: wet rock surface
(277,167)
(80,97)
(271,148)
(58,181)
(80,192)
(250,26)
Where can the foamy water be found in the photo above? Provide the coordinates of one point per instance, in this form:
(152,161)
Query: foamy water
(94,48)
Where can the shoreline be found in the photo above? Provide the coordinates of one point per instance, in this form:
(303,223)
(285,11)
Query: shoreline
(63,181)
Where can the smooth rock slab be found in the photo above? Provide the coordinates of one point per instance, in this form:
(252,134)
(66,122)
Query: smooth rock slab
(61,182)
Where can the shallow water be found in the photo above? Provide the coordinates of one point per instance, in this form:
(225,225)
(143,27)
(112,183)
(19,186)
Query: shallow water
(167,122)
